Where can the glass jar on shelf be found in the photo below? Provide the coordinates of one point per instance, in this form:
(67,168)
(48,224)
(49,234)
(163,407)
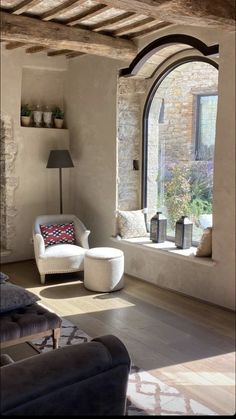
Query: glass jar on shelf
(38,116)
(47,117)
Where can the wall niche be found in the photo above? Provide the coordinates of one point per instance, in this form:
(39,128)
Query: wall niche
(43,90)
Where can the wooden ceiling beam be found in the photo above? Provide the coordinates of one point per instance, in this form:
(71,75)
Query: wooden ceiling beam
(133,26)
(24,6)
(218,13)
(87,14)
(150,30)
(74,54)
(127,19)
(35,48)
(62,8)
(14,45)
(112,21)
(59,52)
(58,36)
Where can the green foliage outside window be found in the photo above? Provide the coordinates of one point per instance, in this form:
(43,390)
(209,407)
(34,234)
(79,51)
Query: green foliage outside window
(177,195)
(188,191)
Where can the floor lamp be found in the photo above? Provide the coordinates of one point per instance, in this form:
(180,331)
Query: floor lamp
(59,159)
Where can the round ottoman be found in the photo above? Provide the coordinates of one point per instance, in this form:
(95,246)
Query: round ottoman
(104,269)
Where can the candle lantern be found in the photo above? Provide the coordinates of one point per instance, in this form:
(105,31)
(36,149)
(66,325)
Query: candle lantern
(158,228)
(183,233)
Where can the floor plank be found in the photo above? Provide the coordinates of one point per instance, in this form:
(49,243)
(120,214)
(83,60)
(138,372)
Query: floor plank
(190,344)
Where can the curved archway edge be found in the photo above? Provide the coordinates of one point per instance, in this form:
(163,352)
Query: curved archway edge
(163,42)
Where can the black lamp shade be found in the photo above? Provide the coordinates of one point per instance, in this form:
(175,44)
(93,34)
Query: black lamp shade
(59,159)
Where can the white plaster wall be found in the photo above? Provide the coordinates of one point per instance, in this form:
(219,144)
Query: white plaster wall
(91,102)
(43,87)
(38,187)
(91,107)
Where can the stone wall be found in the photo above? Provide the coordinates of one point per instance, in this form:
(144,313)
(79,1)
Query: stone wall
(8,181)
(130,95)
(173,140)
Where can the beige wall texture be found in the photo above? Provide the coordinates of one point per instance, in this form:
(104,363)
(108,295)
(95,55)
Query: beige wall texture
(37,190)
(91,102)
(91,109)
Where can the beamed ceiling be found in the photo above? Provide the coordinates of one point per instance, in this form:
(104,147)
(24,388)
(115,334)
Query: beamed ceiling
(107,28)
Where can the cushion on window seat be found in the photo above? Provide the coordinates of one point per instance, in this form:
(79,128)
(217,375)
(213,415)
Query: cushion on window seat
(131,224)
(205,246)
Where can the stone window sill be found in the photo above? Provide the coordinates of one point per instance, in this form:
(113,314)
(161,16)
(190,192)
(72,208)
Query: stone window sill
(167,247)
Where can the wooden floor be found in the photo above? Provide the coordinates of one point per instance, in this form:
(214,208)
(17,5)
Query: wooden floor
(187,343)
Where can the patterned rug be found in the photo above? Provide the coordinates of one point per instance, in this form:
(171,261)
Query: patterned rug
(146,395)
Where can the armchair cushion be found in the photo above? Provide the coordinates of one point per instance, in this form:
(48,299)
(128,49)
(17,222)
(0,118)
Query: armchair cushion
(58,233)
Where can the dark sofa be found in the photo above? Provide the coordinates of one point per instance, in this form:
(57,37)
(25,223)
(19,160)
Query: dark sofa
(88,379)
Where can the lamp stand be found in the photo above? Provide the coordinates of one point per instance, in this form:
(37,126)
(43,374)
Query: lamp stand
(60,188)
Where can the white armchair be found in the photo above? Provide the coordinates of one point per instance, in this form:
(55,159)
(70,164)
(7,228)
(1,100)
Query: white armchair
(59,258)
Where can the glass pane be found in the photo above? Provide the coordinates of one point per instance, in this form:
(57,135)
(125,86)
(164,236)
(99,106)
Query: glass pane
(207,109)
(177,183)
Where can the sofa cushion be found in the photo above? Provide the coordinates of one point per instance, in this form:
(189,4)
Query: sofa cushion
(27,321)
(13,296)
(58,233)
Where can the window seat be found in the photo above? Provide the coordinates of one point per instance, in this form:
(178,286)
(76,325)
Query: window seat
(167,248)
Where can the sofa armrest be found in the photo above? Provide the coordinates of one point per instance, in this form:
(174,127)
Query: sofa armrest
(81,234)
(83,379)
(39,246)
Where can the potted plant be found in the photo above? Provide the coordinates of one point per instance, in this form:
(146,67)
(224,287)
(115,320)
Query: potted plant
(26,113)
(58,117)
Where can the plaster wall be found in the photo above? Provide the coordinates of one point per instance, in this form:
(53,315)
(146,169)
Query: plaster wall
(91,106)
(37,190)
(91,103)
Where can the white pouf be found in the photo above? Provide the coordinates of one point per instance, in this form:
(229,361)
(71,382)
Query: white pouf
(104,269)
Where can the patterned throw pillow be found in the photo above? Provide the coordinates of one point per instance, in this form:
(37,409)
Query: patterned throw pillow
(58,233)
(131,224)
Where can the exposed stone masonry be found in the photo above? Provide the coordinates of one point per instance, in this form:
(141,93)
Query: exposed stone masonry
(176,134)
(8,182)
(174,140)
(130,93)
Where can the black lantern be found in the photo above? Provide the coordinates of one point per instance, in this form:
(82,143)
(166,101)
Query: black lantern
(158,228)
(183,233)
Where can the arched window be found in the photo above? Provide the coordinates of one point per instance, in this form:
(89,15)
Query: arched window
(179,139)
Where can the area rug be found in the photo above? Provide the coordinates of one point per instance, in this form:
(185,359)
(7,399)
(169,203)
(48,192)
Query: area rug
(146,394)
